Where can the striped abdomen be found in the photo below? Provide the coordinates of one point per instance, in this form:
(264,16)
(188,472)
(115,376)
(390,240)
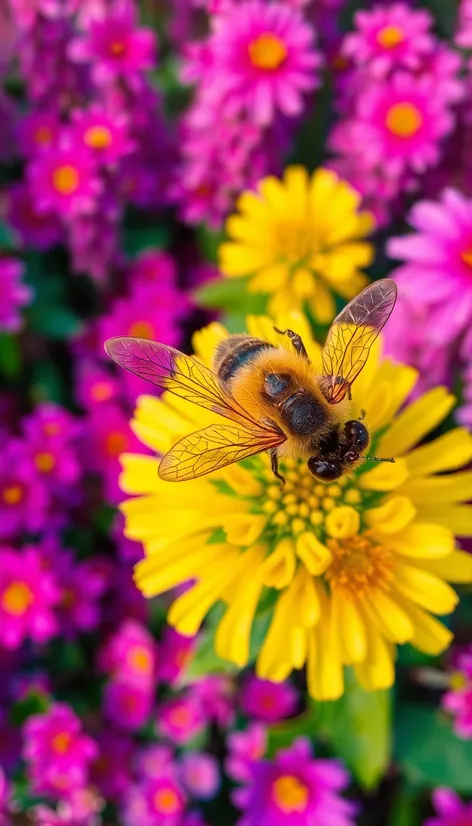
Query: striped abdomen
(235,352)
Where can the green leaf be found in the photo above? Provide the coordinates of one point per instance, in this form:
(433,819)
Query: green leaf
(205,660)
(428,751)
(10,356)
(358,727)
(53,321)
(138,238)
(7,241)
(209,242)
(282,735)
(231,294)
(47,383)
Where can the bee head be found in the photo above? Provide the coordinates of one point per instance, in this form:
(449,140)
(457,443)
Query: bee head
(325,470)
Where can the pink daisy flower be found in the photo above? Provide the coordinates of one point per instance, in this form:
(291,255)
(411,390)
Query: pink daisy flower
(104,134)
(389,37)
(63,180)
(28,596)
(13,294)
(131,655)
(266,59)
(38,130)
(244,748)
(458,700)
(126,705)
(438,262)
(95,385)
(402,122)
(268,701)
(176,653)
(450,810)
(180,719)
(200,775)
(24,499)
(114,45)
(35,229)
(156,801)
(463,36)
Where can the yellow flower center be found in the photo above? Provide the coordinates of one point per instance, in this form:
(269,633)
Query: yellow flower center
(166,802)
(267,52)
(390,36)
(290,794)
(117,48)
(141,329)
(457,681)
(466,257)
(60,742)
(295,240)
(100,391)
(12,494)
(404,119)
(115,443)
(43,135)
(140,659)
(44,462)
(66,179)
(98,137)
(359,564)
(17,598)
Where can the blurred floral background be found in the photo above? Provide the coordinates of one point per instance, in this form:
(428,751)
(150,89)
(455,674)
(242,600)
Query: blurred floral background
(223,651)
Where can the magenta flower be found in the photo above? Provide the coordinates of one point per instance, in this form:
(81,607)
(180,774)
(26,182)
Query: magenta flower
(13,294)
(95,385)
(5,798)
(104,133)
(57,752)
(463,36)
(389,37)
(267,701)
(176,652)
(81,588)
(38,131)
(154,760)
(245,748)
(51,434)
(450,809)
(265,59)
(458,700)
(200,775)
(131,655)
(216,697)
(403,120)
(295,789)
(111,770)
(438,263)
(157,801)
(23,497)
(28,596)
(63,180)
(127,705)
(114,46)
(34,229)
(180,719)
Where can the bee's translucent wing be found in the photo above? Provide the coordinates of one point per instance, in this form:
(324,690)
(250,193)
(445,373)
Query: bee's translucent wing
(351,336)
(180,374)
(213,448)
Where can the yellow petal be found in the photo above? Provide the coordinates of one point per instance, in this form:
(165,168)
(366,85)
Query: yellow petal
(296,183)
(377,671)
(385,476)
(279,568)
(303,283)
(458,518)
(233,634)
(425,589)
(440,490)
(456,567)
(244,529)
(323,305)
(393,516)
(269,279)
(430,635)
(351,628)
(242,481)
(153,576)
(391,618)
(274,193)
(313,554)
(447,452)
(273,662)
(205,341)
(342,522)
(400,381)
(418,419)
(139,473)
(325,676)
(423,540)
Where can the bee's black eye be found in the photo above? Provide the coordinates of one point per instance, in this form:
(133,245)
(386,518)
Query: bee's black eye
(325,471)
(276,383)
(356,434)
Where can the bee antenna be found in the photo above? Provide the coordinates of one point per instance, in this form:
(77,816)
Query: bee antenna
(377,459)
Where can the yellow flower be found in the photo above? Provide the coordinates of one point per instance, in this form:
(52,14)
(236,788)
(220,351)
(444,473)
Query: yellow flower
(300,239)
(339,573)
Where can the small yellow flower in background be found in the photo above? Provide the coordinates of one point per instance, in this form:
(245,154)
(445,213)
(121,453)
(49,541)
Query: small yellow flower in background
(301,240)
(343,572)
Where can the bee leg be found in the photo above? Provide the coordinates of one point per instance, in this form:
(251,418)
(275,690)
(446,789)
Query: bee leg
(296,341)
(361,415)
(274,464)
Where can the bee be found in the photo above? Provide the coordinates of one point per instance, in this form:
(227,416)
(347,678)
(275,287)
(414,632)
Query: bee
(274,397)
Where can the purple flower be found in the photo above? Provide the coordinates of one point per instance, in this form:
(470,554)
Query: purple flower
(57,752)
(244,748)
(295,788)
(111,770)
(175,652)
(157,801)
(200,775)
(23,497)
(180,719)
(131,655)
(127,705)
(114,46)
(95,385)
(81,588)
(450,809)
(28,596)
(458,700)
(38,131)
(104,133)
(13,294)
(5,797)
(51,441)
(64,180)
(216,696)
(267,701)
(40,230)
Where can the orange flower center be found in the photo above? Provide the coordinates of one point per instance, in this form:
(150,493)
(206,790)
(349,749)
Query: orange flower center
(115,443)
(98,137)
(117,48)
(60,742)
(141,329)
(100,391)
(43,135)
(52,429)
(404,119)
(358,565)
(290,794)
(390,36)
(267,52)
(466,257)
(44,462)
(66,179)
(12,494)
(140,659)
(180,716)
(17,598)
(166,802)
